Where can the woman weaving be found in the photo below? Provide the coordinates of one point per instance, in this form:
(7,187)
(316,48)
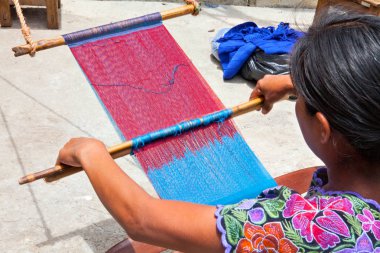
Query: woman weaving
(335,69)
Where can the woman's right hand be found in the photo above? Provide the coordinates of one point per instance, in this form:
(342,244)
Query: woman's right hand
(78,151)
(273,88)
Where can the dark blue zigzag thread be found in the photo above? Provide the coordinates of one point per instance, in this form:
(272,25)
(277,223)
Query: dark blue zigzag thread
(168,85)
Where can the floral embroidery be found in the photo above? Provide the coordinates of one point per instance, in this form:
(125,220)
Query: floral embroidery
(369,223)
(257,215)
(323,229)
(363,244)
(281,220)
(269,238)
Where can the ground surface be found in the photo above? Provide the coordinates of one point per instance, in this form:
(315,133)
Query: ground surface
(46,100)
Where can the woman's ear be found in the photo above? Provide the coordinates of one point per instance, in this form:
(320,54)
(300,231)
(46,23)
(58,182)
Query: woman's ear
(325,130)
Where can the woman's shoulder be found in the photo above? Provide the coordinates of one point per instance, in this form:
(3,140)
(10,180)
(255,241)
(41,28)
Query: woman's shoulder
(283,220)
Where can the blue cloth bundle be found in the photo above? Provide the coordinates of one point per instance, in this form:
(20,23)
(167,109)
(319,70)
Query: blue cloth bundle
(237,45)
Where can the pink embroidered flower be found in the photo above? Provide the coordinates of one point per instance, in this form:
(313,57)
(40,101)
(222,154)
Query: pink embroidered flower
(268,238)
(316,219)
(369,223)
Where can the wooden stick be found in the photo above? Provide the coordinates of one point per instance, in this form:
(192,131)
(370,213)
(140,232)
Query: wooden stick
(59,41)
(60,171)
(125,148)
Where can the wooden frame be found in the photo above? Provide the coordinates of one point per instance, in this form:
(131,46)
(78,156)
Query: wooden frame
(52,11)
(60,171)
(5,14)
(60,41)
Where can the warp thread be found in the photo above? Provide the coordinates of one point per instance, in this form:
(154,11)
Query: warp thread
(168,85)
(205,165)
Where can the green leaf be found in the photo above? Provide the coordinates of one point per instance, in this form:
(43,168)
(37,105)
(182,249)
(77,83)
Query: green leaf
(375,213)
(348,240)
(343,246)
(273,206)
(355,224)
(286,193)
(312,248)
(291,233)
(234,229)
(241,215)
(358,204)
(227,209)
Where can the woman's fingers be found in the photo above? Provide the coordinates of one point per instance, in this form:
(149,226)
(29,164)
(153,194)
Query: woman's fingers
(77,149)
(273,88)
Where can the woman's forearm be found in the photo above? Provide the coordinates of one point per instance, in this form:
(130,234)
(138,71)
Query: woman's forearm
(172,224)
(122,197)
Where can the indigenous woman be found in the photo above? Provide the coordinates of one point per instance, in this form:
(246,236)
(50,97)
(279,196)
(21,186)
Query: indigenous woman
(335,73)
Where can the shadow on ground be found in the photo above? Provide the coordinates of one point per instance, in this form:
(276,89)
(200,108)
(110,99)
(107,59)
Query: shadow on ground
(99,236)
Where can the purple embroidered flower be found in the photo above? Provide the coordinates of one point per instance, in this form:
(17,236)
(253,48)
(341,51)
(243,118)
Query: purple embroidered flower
(369,223)
(257,215)
(363,245)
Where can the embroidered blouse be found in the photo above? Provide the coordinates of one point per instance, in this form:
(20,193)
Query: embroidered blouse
(282,220)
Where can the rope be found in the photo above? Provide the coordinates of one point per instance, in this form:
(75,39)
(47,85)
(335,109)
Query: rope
(25,29)
(197,6)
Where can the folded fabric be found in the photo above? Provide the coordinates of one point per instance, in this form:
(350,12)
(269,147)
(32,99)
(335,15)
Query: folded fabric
(215,44)
(237,45)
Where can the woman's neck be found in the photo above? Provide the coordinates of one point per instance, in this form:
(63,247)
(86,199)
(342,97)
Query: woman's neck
(356,176)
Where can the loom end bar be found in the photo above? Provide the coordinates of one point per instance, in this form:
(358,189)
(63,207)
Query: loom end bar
(247,107)
(116,151)
(60,171)
(41,174)
(64,173)
(180,11)
(41,45)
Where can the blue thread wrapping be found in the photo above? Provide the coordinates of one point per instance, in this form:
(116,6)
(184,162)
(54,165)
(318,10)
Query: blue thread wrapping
(219,116)
(113,29)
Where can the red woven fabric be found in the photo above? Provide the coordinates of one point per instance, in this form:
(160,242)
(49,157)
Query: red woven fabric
(146,82)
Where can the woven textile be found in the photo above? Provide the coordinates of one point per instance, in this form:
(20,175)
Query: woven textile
(146,82)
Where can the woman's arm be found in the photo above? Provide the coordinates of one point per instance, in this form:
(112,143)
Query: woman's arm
(273,88)
(172,224)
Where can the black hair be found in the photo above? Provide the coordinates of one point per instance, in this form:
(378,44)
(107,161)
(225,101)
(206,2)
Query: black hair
(335,67)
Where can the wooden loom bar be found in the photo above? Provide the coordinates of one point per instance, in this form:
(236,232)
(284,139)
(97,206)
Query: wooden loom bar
(59,41)
(125,148)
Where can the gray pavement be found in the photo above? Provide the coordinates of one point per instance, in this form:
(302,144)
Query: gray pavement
(46,100)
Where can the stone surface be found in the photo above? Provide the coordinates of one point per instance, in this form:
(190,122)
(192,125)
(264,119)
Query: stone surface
(46,100)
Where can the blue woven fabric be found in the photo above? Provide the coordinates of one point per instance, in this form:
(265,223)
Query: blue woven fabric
(242,40)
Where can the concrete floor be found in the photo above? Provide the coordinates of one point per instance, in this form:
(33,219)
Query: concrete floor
(46,100)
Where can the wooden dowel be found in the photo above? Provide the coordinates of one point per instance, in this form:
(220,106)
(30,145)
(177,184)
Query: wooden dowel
(176,12)
(125,148)
(59,41)
(59,171)
(41,45)
(116,151)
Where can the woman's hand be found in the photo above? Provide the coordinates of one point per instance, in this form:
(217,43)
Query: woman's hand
(78,151)
(273,88)
(147,219)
